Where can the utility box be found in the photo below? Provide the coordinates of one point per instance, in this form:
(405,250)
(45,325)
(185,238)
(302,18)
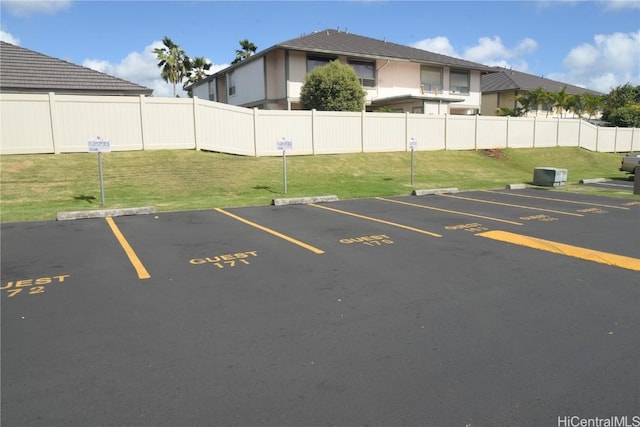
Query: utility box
(549,177)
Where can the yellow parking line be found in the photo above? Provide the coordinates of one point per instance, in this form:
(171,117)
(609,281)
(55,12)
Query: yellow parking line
(449,211)
(556,200)
(273,232)
(133,258)
(510,205)
(382,221)
(621,261)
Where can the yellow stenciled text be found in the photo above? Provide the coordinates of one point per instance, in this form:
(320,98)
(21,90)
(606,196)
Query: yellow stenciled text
(33,286)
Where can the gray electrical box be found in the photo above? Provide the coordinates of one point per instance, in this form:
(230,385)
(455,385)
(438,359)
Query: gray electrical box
(549,177)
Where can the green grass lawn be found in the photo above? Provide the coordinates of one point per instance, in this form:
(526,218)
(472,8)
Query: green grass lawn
(37,186)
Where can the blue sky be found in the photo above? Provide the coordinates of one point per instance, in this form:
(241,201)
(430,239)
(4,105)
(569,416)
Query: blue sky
(593,44)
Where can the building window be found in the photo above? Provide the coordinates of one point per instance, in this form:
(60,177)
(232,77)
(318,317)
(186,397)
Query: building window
(231,83)
(431,79)
(212,91)
(366,72)
(459,82)
(317,61)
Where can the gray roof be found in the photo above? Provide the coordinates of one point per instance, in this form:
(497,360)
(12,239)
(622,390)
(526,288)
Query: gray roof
(510,80)
(23,70)
(334,42)
(344,43)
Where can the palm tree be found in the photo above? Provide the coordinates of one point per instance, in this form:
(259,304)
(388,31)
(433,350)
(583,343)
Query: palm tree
(576,104)
(174,62)
(592,104)
(561,100)
(247,50)
(198,68)
(513,112)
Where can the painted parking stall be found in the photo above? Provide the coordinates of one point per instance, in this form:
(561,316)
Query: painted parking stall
(379,311)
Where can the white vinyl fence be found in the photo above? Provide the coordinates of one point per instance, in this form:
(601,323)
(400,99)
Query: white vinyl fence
(51,123)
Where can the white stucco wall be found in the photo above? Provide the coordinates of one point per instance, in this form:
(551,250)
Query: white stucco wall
(250,83)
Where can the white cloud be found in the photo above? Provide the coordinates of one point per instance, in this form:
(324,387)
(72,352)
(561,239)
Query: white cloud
(615,5)
(439,45)
(142,68)
(32,7)
(492,51)
(611,60)
(489,51)
(6,37)
(581,56)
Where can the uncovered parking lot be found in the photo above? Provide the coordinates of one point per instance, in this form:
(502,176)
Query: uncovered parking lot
(478,308)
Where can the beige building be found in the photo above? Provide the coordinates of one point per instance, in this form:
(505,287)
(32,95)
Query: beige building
(399,77)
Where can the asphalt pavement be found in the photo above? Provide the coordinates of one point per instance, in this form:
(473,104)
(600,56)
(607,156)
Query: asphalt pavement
(483,308)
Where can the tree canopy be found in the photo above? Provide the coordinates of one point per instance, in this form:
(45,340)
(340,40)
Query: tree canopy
(622,106)
(173,61)
(246,50)
(332,87)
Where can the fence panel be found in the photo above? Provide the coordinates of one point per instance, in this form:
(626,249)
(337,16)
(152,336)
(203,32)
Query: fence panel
(545,133)
(225,128)
(589,136)
(428,131)
(520,132)
(337,132)
(607,139)
(491,132)
(384,132)
(568,133)
(460,132)
(274,125)
(624,140)
(78,119)
(168,123)
(26,124)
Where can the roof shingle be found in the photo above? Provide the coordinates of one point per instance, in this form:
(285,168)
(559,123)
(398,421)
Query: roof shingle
(342,42)
(509,80)
(23,70)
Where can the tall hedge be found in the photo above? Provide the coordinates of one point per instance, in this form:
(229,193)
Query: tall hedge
(332,87)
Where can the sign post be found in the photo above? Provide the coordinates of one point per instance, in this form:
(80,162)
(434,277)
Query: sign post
(283,145)
(412,144)
(100,146)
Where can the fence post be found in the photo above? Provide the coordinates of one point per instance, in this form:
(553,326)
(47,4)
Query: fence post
(475,135)
(446,128)
(142,116)
(507,136)
(53,119)
(313,131)
(195,122)
(362,132)
(255,132)
(406,131)
(580,132)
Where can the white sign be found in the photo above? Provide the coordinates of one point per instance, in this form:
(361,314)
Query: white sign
(285,145)
(413,143)
(99,145)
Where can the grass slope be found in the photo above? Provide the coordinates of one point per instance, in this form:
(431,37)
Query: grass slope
(36,187)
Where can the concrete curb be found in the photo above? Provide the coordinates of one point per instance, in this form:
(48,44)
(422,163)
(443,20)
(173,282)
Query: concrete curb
(434,191)
(592,180)
(516,186)
(103,213)
(303,200)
